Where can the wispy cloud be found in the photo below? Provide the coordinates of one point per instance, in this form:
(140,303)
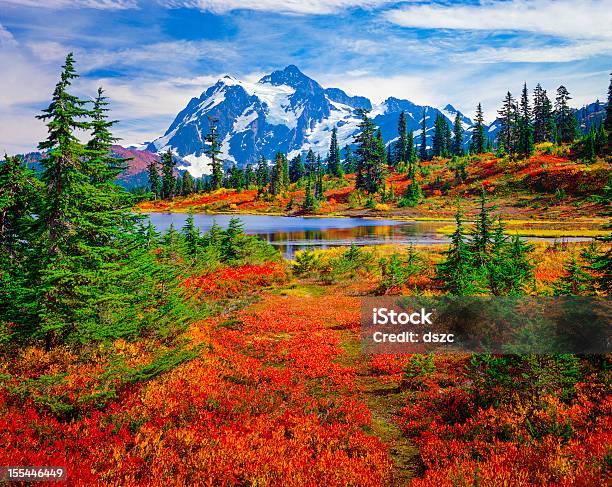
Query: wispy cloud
(6,38)
(313,7)
(56,4)
(573,19)
(538,54)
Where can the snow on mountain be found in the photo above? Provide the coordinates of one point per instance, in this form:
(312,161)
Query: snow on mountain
(284,111)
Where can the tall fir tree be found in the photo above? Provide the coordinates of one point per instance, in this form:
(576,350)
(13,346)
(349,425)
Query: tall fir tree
(543,122)
(311,162)
(278,174)
(423,148)
(401,146)
(168,181)
(564,118)
(334,162)
(525,128)
(296,169)
(507,115)
(458,131)
(154,181)
(349,161)
(608,119)
(262,173)
(478,135)
(187,183)
(213,151)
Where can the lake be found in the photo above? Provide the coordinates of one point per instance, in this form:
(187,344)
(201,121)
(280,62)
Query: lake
(290,234)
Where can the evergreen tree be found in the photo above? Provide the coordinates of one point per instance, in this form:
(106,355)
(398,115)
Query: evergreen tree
(249,176)
(213,151)
(178,185)
(20,192)
(608,119)
(309,203)
(455,272)
(564,118)
(370,156)
(457,143)
(187,183)
(478,134)
(410,150)
(296,169)
(543,123)
(154,182)
(262,173)
(575,282)
(102,165)
(311,162)
(401,146)
(525,128)
(192,236)
(507,116)
(168,181)
(349,162)
(423,149)
(318,180)
(334,163)
(278,174)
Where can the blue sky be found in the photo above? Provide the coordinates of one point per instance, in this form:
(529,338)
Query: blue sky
(153,56)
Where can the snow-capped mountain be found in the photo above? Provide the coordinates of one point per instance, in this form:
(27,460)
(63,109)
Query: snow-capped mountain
(284,111)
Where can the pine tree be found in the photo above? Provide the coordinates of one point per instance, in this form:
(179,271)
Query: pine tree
(318,180)
(349,163)
(168,181)
(455,272)
(213,151)
(102,165)
(311,162)
(507,116)
(178,185)
(262,173)
(410,150)
(564,118)
(192,236)
(608,119)
(309,203)
(543,123)
(278,176)
(457,143)
(575,282)
(423,148)
(187,183)
(296,169)
(401,146)
(154,182)
(334,163)
(367,153)
(525,128)
(249,176)
(20,192)
(478,134)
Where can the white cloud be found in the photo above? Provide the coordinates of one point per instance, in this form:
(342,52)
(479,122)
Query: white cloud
(546,54)
(6,38)
(95,4)
(302,7)
(565,18)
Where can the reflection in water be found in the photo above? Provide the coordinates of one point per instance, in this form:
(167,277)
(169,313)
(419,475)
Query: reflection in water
(290,234)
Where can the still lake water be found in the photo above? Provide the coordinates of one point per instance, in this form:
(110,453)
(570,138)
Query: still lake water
(290,234)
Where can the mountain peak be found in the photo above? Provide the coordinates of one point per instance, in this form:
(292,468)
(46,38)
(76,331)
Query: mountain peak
(290,76)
